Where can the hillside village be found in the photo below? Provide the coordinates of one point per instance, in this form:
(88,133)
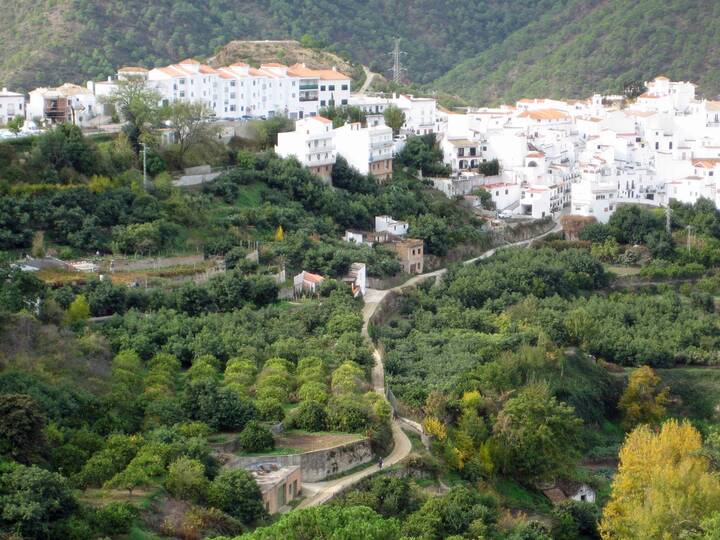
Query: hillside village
(269,324)
(583,157)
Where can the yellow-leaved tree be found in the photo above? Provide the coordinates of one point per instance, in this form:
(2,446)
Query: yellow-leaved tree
(643,402)
(279,233)
(664,488)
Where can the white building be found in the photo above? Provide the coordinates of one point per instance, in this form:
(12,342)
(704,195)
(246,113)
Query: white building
(369,150)
(12,104)
(241,91)
(461,154)
(420,113)
(67,103)
(505,196)
(357,279)
(311,144)
(390,225)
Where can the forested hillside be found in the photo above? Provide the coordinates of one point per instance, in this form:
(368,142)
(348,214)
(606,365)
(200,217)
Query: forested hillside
(590,46)
(482,49)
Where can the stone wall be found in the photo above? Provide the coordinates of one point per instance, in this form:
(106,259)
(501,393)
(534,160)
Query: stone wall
(316,465)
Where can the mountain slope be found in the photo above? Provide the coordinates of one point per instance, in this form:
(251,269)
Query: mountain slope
(51,41)
(481,50)
(593,45)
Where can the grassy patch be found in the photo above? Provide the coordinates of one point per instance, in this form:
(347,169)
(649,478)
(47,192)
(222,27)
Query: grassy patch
(622,271)
(274,452)
(250,196)
(136,533)
(516,496)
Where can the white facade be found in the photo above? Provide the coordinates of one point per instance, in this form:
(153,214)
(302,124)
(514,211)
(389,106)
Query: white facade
(505,196)
(369,150)
(420,113)
(241,91)
(66,103)
(12,104)
(393,226)
(311,144)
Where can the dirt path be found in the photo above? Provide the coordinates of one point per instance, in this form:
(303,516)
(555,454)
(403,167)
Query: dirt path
(369,76)
(320,492)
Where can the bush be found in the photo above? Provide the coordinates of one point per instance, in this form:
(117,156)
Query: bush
(270,410)
(256,438)
(237,493)
(310,416)
(113,519)
(348,415)
(186,479)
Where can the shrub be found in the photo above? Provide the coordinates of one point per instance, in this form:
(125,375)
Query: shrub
(113,519)
(270,410)
(348,415)
(310,416)
(256,438)
(186,479)
(237,493)
(313,391)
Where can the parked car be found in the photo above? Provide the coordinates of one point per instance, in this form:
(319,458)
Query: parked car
(505,214)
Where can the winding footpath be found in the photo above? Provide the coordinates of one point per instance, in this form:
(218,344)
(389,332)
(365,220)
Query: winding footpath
(321,492)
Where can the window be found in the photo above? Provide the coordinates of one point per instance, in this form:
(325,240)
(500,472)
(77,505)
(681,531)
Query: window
(344,86)
(322,88)
(322,102)
(670,145)
(344,102)
(331,87)
(657,146)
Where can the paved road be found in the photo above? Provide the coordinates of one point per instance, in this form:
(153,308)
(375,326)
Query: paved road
(320,492)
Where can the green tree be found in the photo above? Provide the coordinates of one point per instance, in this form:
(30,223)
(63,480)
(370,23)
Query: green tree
(62,148)
(22,422)
(237,493)
(191,124)
(138,106)
(537,434)
(256,438)
(329,522)
(16,124)
(394,118)
(33,499)
(186,479)
(79,310)
(310,416)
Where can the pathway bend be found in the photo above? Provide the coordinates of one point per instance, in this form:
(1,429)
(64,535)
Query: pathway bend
(321,492)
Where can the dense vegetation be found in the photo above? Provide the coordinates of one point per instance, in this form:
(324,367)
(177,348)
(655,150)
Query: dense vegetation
(480,50)
(66,192)
(579,47)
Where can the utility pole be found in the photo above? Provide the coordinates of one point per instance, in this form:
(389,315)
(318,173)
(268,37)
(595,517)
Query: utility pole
(397,68)
(689,235)
(668,218)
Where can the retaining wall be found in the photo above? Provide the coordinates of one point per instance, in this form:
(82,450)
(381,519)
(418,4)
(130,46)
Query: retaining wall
(316,465)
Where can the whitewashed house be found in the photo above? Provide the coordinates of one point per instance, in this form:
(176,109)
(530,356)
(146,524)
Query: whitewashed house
(67,103)
(390,225)
(12,104)
(311,144)
(369,150)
